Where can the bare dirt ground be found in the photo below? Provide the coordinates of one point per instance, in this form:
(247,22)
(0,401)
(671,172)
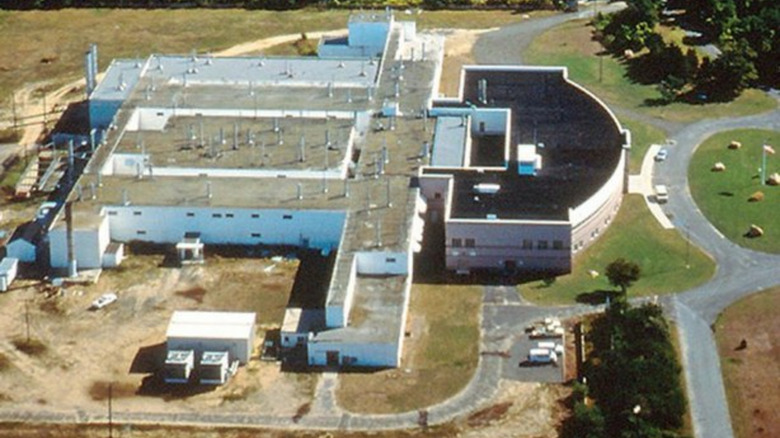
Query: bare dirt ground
(76,351)
(751,371)
(457,52)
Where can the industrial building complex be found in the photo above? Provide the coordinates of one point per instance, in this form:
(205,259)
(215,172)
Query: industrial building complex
(350,154)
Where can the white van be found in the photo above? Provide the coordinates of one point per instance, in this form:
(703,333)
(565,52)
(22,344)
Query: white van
(661,194)
(542,355)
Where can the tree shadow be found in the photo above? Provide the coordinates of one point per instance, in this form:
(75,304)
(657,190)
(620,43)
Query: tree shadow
(597,297)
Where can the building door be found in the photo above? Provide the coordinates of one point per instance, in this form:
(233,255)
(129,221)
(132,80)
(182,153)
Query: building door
(332,358)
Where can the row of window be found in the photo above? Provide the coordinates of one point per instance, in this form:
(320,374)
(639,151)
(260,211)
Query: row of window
(527,244)
(253,235)
(214,215)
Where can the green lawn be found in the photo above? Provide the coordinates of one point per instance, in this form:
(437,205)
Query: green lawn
(642,136)
(571,45)
(440,354)
(634,235)
(723,196)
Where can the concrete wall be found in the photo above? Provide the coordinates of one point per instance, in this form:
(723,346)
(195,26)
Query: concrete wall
(495,120)
(337,311)
(497,242)
(362,355)
(236,226)
(89,245)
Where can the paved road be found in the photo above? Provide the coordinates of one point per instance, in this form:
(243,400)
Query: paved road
(740,272)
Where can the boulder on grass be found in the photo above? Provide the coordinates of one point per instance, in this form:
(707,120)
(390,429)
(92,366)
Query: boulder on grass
(735,144)
(718,167)
(754,231)
(774,179)
(756,197)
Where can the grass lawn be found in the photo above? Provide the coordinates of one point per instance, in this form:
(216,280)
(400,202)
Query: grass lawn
(49,45)
(723,196)
(439,357)
(642,136)
(634,235)
(751,374)
(571,44)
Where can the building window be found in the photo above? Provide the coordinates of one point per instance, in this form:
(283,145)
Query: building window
(541,244)
(113,213)
(255,216)
(481,126)
(287,216)
(457,243)
(557,244)
(228,215)
(217,215)
(528,244)
(437,195)
(470,243)
(390,260)
(256,235)
(141,232)
(137,213)
(190,214)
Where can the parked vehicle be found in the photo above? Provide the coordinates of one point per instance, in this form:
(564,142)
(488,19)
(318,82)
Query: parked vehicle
(542,356)
(662,154)
(661,194)
(103,301)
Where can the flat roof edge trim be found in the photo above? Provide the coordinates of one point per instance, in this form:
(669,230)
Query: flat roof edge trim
(509,221)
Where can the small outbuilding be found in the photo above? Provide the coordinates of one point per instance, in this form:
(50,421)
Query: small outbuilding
(200,332)
(8,269)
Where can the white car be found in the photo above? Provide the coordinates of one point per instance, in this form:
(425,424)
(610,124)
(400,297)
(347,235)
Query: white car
(662,154)
(103,301)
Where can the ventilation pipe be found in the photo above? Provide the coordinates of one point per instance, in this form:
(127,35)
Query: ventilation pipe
(482,91)
(299,190)
(235,136)
(209,194)
(125,198)
(72,267)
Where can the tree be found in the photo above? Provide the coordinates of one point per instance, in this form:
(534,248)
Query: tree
(622,273)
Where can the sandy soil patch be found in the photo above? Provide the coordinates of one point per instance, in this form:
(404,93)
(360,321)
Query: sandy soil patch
(457,53)
(750,369)
(83,350)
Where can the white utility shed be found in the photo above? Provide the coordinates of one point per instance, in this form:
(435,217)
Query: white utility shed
(8,268)
(232,332)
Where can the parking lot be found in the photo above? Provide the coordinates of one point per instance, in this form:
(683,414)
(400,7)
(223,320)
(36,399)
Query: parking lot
(519,367)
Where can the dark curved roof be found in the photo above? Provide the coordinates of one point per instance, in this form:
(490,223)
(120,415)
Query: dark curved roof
(582,145)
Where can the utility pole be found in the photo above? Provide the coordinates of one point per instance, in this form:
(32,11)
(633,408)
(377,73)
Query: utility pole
(110,412)
(27,319)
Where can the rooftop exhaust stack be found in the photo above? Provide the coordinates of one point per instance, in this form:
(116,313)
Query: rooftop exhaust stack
(209,194)
(89,74)
(302,149)
(482,91)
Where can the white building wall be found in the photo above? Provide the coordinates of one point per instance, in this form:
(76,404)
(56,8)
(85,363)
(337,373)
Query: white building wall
(337,313)
(10,267)
(238,349)
(89,246)
(382,263)
(219,225)
(497,242)
(355,354)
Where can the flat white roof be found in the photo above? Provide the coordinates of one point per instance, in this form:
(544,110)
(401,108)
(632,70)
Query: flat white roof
(211,325)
